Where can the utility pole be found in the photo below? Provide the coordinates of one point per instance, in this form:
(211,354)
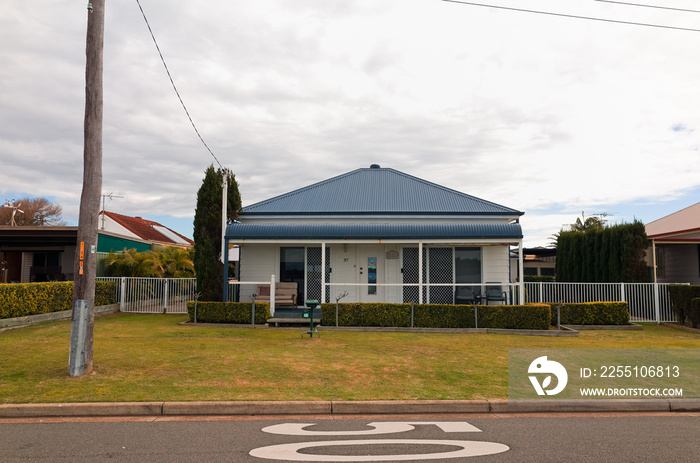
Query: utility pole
(80,359)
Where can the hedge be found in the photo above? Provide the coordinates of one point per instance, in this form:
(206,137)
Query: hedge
(530,316)
(694,314)
(592,313)
(21,299)
(681,297)
(538,279)
(229,312)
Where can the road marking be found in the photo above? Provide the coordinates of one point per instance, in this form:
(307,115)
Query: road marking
(290,452)
(381,427)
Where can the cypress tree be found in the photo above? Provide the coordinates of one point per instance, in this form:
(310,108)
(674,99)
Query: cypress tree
(207,231)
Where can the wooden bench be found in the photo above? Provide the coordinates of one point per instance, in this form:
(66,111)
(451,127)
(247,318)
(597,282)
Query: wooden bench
(285,293)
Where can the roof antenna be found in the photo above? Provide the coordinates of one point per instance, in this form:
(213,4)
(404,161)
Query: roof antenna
(15,210)
(110,196)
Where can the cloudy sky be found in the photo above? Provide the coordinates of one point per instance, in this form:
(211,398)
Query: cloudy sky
(547,114)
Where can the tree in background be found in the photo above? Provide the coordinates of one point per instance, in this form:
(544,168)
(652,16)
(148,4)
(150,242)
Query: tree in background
(603,254)
(166,262)
(207,231)
(35,211)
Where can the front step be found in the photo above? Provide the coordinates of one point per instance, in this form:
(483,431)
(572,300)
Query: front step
(277,321)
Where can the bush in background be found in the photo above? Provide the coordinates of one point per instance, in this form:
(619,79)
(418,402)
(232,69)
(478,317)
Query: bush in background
(592,313)
(229,312)
(681,297)
(22,299)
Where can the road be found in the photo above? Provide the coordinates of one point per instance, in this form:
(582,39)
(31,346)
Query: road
(505,438)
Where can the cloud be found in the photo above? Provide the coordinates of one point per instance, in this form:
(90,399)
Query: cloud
(543,114)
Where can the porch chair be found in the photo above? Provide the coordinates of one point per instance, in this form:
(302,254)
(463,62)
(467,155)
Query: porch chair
(494,292)
(467,295)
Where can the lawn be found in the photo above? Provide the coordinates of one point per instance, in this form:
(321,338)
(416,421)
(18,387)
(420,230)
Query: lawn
(154,358)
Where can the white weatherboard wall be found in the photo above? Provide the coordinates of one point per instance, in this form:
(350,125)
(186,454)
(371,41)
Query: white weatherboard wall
(258,262)
(495,264)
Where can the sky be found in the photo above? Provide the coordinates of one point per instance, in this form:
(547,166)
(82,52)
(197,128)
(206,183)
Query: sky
(551,115)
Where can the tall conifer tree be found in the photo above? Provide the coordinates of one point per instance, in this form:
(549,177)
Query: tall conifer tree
(207,231)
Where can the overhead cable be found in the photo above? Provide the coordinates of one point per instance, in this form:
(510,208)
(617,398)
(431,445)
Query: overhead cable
(174,87)
(590,18)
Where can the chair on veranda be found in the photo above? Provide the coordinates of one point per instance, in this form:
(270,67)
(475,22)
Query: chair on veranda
(494,292)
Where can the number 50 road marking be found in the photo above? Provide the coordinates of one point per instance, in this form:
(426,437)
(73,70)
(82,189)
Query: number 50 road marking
(290,452)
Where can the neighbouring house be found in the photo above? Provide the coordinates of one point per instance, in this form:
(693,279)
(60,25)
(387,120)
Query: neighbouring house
(537,261)
(142,229)
(41,253)
(369,232)
(675,247)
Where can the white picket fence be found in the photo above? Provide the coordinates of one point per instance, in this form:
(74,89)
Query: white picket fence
(648,302)
(154,295)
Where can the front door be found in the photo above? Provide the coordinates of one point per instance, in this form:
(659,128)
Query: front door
(371,268)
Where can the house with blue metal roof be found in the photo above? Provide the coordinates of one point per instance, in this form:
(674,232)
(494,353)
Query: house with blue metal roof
(369,232)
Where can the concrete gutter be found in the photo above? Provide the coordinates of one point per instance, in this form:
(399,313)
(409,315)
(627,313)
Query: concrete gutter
(304,408)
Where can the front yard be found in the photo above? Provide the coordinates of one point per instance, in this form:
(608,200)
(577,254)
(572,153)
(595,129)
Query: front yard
(154,358)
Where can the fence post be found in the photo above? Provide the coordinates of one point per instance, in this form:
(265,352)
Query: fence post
(272,295)
(657,308)
(165,296)
(411,314)
(122,295)
(541,289)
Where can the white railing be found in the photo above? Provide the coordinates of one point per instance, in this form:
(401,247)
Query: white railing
(153,295)
(648,302)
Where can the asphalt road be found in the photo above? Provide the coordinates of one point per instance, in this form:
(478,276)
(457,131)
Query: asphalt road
(507,438)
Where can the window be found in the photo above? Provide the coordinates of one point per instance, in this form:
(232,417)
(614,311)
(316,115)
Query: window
(467,265)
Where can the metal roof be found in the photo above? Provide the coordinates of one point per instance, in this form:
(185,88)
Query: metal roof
(376,191)
(240,231)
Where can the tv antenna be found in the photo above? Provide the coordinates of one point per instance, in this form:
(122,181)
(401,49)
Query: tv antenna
(15,210)
(110,196)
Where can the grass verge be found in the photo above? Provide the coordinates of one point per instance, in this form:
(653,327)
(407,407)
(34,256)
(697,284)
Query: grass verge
(153,358)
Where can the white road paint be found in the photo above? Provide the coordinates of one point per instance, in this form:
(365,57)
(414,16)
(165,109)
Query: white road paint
(382,427)
(290,452)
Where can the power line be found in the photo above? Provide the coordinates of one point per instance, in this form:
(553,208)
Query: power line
(549,13)
(174,87)
(649,6)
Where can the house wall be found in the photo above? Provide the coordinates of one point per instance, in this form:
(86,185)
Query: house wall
(259,261)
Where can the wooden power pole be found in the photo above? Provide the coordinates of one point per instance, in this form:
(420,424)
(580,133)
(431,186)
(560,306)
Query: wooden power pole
(80,359)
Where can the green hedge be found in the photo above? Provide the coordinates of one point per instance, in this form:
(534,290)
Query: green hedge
(592,313)
(531,316)
(21,299)
(694,314)
(538,279)
(681,296)
(229,312)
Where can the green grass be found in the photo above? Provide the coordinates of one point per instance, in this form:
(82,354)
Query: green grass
(153,358)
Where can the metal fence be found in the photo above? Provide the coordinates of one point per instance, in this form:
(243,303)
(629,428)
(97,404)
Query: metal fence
(648,302)
(154,295)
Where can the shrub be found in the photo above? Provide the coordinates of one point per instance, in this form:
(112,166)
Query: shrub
(229,312)
(681,295)
(21,299)
(592,313)
(694,313)
(538,278)
(531,316)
